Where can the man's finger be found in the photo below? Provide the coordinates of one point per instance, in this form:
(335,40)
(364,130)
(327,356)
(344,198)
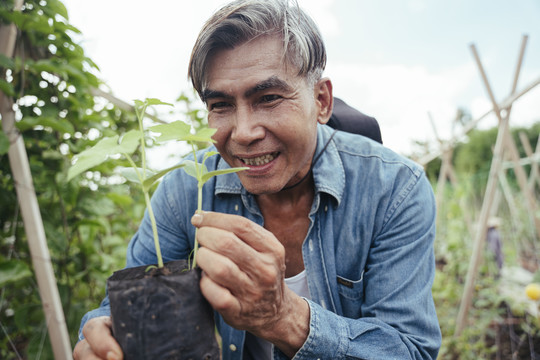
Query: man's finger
(83,351)
(97,333)
(254,235)
(222,270)
(226,243)
(219,297)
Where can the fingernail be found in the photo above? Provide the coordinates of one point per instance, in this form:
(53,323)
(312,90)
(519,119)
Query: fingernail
(112,356)
(196,219)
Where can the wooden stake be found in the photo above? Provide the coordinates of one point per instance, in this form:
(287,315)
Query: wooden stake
(50,298)
(533,175)
(530,198)
(446,172)
(491,188)
(471,125)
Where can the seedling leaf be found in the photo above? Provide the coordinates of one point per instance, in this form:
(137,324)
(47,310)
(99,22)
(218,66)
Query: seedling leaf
(208,154)
(106,147)
(208,175)
(177,130)
(191,168)
(93,156)
(203,135)
(132,174)
(152,179)
(154,101)
(129,142)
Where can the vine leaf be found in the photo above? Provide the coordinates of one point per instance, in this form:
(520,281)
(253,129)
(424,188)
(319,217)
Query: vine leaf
(13,271)
(4,143)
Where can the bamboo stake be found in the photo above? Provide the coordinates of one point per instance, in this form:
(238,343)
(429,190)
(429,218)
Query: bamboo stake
(446,172)
(529,152)
(530,199)
(479,240)
(471,125)
(503,140)
(535,171)
(535,158)
(33,224)
(441,181)
(503,182)
(121,104)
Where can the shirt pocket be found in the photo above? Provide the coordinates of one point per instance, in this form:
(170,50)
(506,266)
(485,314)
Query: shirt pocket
(351,294)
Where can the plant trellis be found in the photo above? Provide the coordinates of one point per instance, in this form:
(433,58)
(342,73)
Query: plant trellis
(33,223)
(503,142)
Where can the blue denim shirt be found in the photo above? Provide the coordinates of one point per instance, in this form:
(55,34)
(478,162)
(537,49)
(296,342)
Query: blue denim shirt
(368,253)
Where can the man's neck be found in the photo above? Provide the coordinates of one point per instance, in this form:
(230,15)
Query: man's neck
(296,196)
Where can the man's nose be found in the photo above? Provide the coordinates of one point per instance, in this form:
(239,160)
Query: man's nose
(247,127)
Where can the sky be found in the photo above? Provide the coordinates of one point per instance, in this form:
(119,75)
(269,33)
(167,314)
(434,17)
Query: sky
(403,62)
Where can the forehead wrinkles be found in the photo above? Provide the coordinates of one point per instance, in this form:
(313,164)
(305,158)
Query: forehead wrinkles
(272,83)
(251,57)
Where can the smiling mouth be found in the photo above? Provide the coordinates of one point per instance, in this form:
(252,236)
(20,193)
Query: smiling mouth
(259,160)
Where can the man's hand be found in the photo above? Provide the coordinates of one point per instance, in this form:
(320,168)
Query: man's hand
(243,279)
(98,341)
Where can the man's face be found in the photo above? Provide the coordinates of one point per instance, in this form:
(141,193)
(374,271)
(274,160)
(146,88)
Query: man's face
(265,115)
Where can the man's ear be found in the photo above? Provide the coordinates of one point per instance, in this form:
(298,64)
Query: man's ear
(324,99)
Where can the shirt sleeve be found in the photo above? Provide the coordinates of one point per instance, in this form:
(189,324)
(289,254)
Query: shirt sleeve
(398,318)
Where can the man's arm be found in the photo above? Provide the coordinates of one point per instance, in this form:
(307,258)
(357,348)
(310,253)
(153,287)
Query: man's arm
(398,319)
(244,283)
(244,272)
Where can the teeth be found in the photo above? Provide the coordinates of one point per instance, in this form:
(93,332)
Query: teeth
(261,160)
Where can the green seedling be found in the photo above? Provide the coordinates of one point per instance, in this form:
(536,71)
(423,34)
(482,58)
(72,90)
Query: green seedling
(128,144)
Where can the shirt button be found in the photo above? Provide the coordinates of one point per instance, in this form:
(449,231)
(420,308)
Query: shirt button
(236,207)
(232,347)
(325,210)
(310,244)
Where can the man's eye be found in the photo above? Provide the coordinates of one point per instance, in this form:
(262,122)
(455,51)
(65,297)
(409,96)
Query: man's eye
(270,98)
(219,105)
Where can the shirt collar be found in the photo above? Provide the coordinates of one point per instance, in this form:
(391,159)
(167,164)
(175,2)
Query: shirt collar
(328,172)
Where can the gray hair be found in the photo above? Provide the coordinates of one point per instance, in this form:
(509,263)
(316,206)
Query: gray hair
(244,20)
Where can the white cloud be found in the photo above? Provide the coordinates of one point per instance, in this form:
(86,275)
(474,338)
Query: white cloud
(143,50)
(400,97)
(416,6)
(322,14)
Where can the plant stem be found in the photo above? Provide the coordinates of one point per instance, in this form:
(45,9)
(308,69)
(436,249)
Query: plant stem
(199,202)
(154,228)
(142,177)
(199,209)
(140,116)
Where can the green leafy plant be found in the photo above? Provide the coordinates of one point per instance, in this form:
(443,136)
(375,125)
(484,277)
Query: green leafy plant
(127,145)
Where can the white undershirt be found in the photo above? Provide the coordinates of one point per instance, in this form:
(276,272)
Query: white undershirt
(261,349)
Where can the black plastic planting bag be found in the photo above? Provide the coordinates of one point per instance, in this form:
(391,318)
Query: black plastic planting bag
(161,314)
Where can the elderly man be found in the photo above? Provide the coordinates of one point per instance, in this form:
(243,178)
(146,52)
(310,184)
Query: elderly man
(323,248)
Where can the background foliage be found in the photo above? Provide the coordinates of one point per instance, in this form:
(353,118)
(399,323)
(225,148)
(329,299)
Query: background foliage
(89,220)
